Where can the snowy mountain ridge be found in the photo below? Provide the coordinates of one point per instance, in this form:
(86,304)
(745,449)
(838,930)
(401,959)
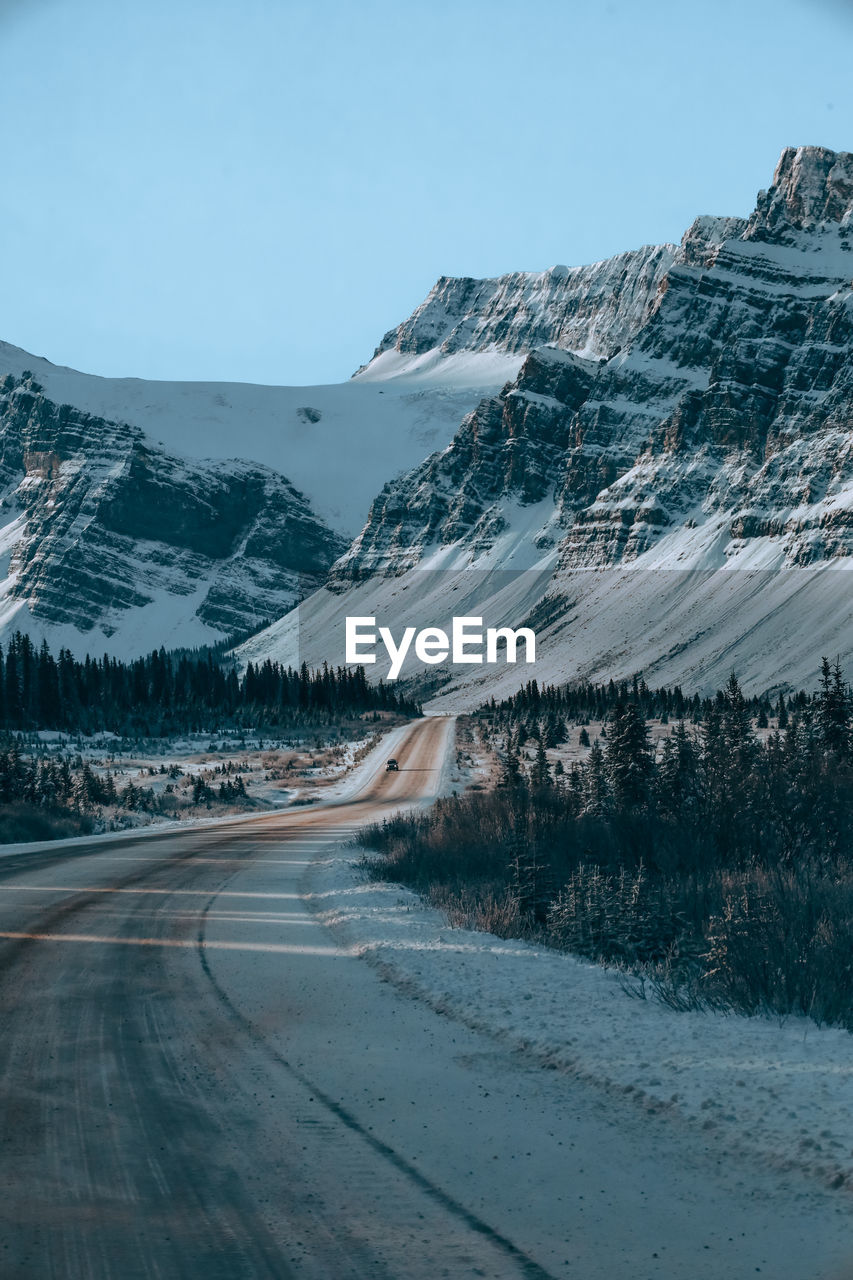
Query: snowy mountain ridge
(591,309)
(337,444)
(324,452)
(628,485)
(590,441)
(111,542)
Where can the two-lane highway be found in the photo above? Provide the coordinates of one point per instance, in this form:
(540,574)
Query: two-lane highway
(149,1128)
(199,1081)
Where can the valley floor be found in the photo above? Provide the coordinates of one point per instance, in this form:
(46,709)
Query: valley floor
(180,781)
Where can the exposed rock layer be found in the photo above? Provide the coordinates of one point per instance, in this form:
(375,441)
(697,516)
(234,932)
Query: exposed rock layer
(99,523)
(729,407)
(593,308)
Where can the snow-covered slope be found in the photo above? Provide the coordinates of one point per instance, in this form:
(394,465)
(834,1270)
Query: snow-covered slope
(110,543)
(686,500)
(135,514)
(317,454)
(337,444)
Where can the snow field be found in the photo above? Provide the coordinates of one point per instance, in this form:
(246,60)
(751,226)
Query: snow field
(337,444)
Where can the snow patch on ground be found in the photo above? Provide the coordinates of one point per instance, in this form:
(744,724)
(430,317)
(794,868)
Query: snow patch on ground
(779,1093)
(486,369)
(328,772)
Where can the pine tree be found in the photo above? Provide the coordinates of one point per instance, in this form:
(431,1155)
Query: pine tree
(677,779)
(629,759)
(511,775)
(736,725)
(596,784)
(782,713)
(541,773)
(834,709)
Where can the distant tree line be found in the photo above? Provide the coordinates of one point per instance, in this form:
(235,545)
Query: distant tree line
(51,783)
(549,709)
(162,694)
(715,793)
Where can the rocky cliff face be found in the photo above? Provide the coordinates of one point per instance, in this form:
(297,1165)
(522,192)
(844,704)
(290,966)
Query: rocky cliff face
(594,309)
(674,409)
(112,542)
(732,398)
(812,191)
(716,435)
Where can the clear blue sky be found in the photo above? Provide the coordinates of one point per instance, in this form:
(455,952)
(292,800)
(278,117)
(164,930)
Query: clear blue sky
(258,190)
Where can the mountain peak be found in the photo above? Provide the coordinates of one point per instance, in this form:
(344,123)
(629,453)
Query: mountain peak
(593,309)
(812,186)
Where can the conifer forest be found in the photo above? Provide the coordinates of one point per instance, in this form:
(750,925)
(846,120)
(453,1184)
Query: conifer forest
(700,844)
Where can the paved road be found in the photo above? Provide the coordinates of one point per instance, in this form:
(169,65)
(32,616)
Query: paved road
(199,1082)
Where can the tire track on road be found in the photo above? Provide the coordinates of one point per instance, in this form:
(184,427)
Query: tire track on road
(526,1265)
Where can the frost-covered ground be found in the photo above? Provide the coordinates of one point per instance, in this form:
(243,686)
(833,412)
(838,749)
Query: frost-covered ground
(240,772)
(589,1168)
(778,1091)
(782,1093)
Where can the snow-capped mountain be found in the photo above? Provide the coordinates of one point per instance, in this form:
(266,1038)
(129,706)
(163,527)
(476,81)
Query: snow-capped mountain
(700,423)
(337,444)
(134,532)
(631,432)
(592,309)
(136,513)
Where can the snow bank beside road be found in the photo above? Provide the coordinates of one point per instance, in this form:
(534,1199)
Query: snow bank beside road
(781,1093)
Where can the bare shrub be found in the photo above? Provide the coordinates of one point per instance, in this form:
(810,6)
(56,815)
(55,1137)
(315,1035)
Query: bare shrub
(783,943)
(496,913)
(20,822)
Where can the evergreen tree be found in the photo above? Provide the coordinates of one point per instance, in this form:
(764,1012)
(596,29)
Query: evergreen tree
(782,713)
(677,782)
(512,768)
(834,709)
(541,773)
(737,725)
(629,760)
(596,783)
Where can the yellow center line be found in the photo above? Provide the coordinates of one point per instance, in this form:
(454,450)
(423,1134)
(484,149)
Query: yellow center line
(165,893)
(278,948)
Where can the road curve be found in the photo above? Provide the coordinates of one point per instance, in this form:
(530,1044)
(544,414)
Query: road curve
(199,1081)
